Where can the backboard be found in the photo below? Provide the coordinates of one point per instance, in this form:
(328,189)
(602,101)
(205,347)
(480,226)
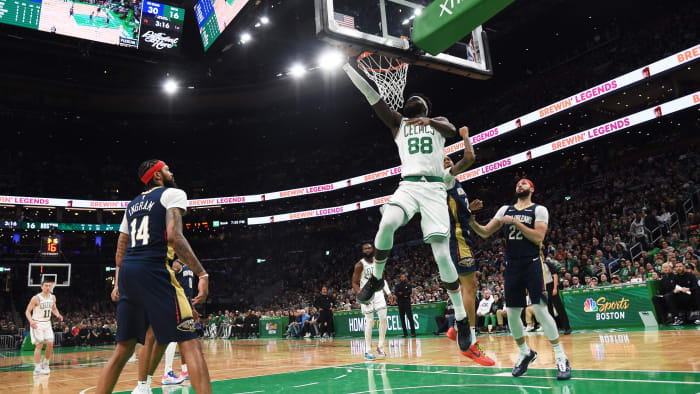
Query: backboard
(384,27)
(59,273)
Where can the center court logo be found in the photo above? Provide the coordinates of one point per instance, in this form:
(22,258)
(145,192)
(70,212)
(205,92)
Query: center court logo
(590,305)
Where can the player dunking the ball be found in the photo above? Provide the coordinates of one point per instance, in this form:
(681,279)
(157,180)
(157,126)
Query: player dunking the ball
(421,143)
(525,225)
(364,271)
(38,314)
(149,294)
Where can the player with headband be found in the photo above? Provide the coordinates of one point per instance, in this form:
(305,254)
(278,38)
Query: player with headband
(152,304)
(525,226)
(421,142)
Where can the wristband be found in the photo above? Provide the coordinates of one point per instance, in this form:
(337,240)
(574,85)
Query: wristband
(203,275)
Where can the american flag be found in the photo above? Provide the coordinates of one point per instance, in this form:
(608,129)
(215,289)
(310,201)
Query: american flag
(344,20)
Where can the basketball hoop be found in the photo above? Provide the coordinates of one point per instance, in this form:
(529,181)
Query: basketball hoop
(388,73)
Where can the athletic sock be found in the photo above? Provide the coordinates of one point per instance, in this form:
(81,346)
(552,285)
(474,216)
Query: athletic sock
(473,330)
(147,383)
(184,368)
(524,349)
(457,303)
(558,351)
(379,268)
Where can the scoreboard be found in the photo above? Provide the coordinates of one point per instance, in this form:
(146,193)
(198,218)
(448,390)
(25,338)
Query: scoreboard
(24,13)
(135,23)
(213,16)
(161,26)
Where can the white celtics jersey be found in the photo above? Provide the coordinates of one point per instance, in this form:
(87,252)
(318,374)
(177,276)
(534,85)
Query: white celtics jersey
(42,312)
(422,150)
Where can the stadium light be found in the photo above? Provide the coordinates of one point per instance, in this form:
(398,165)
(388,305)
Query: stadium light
(245,37)
(170,86)
(264,20)
(297,71)
(330,60)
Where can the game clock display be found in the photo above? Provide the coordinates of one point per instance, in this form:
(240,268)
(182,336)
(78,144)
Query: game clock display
(128,23)
(161,26)
(50,245)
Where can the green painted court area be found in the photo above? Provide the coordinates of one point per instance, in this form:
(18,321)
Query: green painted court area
(388,378)
(97,21)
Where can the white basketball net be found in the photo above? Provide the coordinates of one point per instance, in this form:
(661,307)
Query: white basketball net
(388,73)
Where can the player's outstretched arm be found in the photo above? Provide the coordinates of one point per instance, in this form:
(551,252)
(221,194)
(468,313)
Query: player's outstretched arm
(391,118)
(28,312)
(469,155)
(487,230)
(173,223)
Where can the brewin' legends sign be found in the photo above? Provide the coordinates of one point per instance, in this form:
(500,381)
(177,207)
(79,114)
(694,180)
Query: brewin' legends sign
(161,27)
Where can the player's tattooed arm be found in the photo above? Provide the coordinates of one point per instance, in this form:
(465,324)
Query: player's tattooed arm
(173,220)
(356,278)
(469,155)
(122,243)
(173,227)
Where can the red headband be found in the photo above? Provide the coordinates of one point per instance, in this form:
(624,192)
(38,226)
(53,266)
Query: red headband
(532,185)
(149,174)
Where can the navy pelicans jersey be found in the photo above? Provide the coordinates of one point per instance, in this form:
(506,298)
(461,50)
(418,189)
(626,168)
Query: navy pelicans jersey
(517,246)
(421,149)
(186,279)
(144,222)
(461,241)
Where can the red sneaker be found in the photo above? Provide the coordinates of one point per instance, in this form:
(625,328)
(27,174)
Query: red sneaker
(476,353)
(452,334)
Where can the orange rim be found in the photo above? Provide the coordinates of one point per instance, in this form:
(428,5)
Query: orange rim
(379,70)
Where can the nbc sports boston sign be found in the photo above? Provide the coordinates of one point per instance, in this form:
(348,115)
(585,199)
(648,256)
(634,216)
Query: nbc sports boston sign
(610,306)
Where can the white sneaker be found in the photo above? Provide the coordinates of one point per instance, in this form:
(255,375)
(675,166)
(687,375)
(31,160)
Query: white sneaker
(308,335)
(529,328)
(381,354)
(539,329)
(39,371)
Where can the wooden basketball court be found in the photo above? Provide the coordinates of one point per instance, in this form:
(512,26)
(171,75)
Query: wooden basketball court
(665,361)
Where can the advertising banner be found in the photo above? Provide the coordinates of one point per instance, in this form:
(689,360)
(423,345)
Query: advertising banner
(610,306)
(273,327)
(352,323)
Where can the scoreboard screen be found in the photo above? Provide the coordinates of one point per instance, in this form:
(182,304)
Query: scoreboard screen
(127,23)
(161,26)
(214,15)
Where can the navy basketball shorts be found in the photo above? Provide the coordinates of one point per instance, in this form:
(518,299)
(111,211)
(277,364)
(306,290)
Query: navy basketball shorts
(462,256)
(149,295)
(521,276)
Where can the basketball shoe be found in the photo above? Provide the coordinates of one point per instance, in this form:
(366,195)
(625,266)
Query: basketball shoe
(475,352)
(170,378)
(380,353)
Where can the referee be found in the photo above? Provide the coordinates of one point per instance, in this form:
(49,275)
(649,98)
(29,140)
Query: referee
(403,293)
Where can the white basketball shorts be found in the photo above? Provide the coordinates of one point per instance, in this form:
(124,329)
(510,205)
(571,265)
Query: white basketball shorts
(376,304)
(43,333)
(428,198)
